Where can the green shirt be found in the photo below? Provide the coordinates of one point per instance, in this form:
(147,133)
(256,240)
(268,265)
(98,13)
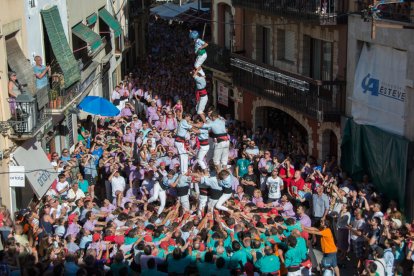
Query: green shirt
(242,164)
(292,257)
(237,258)
(268,264)
(205,269)
(301,247)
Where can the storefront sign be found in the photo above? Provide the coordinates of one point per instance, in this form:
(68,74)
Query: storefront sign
(379,93)
(222,94)
(16,176)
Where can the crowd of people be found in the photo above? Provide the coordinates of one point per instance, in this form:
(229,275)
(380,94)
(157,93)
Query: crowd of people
(169,187)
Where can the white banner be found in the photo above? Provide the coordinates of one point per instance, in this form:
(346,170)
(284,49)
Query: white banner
(222,94)
(379,93)
(16,176)
(34,159)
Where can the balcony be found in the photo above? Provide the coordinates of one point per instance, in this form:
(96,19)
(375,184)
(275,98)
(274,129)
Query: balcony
(27,119)
(394,12)
(321,100)
(218,58)
(317,11)
(60,98)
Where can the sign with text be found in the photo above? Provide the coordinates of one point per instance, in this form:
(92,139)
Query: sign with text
(379,93)
(222,94)
(40,173)
(16,176)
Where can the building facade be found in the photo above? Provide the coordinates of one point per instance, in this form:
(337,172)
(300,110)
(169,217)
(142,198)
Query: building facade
(379,103)
(284,66)
(83,42)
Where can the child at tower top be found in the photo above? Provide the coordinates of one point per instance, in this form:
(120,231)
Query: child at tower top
(200,51)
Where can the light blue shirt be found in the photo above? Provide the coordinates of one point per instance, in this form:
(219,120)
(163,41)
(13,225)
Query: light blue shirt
(203,135)
(43,81)
(198,44)
(183,128)
(183,181)
(211,182)
(218,126)
(226,183)
(200,82)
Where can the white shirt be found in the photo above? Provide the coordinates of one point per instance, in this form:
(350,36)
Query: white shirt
(115,95)
(75,195)
(60,186)
(118,184)
(274,185)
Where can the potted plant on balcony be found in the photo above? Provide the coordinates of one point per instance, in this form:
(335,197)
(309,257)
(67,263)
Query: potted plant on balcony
(53,95)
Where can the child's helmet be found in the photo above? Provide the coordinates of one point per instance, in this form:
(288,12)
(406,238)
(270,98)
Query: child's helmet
(194,35)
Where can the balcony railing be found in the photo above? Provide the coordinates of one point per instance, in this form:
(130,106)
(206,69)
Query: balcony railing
(218,58)
(26,118)
(323,11)
(321,100)
(60,97)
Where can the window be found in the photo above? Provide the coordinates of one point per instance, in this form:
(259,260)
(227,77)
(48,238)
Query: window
(263,45)
(318,58)
(286,45)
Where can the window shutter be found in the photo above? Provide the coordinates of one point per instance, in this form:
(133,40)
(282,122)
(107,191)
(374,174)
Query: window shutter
(290,46)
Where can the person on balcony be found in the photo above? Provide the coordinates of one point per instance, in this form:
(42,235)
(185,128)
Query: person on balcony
(14,89)
(41,73)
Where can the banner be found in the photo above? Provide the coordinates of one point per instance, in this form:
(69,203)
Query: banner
(16,176)
(41,173)
(222,94)
(379,93)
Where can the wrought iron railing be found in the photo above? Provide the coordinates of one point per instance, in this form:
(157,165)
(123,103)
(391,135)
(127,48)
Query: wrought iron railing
(322,100)
(324,11)
(60,97)
(25,119)
(218,58)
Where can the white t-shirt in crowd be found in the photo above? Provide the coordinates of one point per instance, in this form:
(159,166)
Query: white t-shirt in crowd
(60,186)
(274,185)
(118,184)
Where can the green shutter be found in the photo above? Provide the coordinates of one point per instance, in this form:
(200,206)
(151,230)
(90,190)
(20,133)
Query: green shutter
(60,46)
(111,22)
(91,19)
(86,34)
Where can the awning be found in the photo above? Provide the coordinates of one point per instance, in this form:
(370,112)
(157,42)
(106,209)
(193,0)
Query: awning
(111,22)
(19,64)
(171,10)
(60,46)
(39,173)
(86,34)
(91,19)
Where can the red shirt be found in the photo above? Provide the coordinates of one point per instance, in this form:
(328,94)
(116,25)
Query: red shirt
(299,184)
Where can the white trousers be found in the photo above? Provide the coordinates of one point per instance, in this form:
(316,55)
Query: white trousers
(296,273)
(221,201)
(221,153)
(183,156)
(199,61)
(185,202)
(202,152)
(161,194)
(201,105)
(211,204)
(202,203)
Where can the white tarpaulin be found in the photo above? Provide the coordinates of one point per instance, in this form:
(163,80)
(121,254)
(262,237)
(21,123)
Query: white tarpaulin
(379,93)
(39,173)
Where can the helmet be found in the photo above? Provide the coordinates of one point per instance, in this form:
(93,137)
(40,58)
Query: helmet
(194,35)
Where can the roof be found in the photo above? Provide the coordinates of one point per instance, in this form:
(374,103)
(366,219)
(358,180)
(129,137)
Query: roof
(170,10)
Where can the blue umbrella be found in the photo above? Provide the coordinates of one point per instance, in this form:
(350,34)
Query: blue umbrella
(98,106)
